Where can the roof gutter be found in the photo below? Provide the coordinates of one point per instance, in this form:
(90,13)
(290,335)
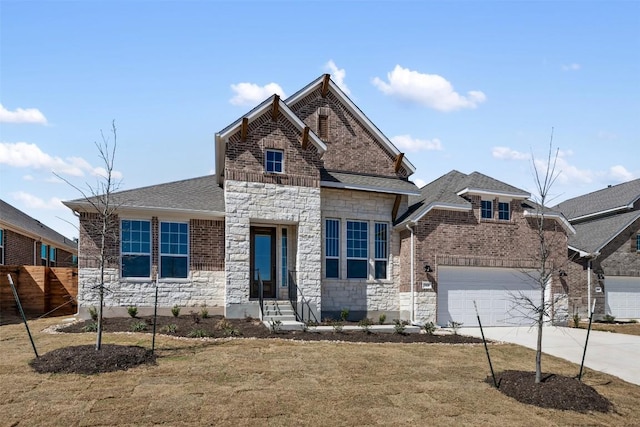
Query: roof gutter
(558,217)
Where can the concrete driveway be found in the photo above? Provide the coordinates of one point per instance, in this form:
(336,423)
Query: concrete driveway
(611,353)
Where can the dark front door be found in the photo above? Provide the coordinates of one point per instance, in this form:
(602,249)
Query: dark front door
(263,261)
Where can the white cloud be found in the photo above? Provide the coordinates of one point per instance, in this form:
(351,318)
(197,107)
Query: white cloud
(337,75)
(34,202)
(620,173)
(251,94)
(506,153)
(571,67)
(22,115)
(567,173)
(429,90)
(410,144)
(28,178)
(26,155)
(607,136)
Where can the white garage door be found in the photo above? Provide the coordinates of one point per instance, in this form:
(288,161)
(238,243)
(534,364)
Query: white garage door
(622,297)
(493,290)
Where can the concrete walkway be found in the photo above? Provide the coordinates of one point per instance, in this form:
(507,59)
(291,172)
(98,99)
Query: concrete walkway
(611,353)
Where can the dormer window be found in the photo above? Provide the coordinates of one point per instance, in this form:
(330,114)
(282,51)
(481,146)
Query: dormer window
(486,209)
(503,211)
(274,161)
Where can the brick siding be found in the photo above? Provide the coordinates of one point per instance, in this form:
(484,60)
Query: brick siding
(18,249)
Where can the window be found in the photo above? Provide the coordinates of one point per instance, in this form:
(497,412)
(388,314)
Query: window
(174,249)
(503,211)
(638,243)
(323,126)
(486,209)
(1,246)
(274,161)
(136,248)
(74,260)
(357,249)
(52,256)
(44,251)
(332,249)
(285,272)
(381,250)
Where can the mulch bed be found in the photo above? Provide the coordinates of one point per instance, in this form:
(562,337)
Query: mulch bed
(554,391)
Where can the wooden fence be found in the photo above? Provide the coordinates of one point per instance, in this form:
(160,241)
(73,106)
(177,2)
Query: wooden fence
(41,290)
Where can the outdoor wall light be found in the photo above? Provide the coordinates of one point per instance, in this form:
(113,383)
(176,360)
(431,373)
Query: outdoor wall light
(428,269)
(600,276)
(562,273)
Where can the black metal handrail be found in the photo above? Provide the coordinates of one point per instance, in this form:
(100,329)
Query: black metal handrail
(294,291)
(260,294)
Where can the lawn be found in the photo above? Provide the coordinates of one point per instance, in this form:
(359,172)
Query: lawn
(619,328)
(279,382)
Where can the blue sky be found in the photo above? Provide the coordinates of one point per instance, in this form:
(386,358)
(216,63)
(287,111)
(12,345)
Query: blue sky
(472,86)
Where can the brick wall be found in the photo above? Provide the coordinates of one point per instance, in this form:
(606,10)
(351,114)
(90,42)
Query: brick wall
(620,257)
(18,249)
(90,241)
(350,146)
(207,244)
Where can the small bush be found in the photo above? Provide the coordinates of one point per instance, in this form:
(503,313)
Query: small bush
(344,314)
(170,329)
(90,327)
(455,326)
(399,326)
(275,325)
(365,324)
(93,312)
(608,318)
(633,321)
(576,320)
(382,319)
(198,333)
(337,326)
(132,310)
(175,310)
(429,328)
(310,323)
(204,313)
(138,326)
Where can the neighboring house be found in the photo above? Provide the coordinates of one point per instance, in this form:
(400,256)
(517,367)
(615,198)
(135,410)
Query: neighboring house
(476,240)
(605,251)
(26,241)
(310,202)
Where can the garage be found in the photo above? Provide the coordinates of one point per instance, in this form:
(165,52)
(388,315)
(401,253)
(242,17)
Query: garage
(492,289)
(622,297)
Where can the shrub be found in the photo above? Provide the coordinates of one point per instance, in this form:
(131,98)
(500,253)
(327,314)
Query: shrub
(608,318)
(344,314)
(132,310)
(365,324)
(399,326)
(204,313)
(455,326)
(337,326)
(198,333)
(138,326)
(90,327)
(93,312)
(170,329)
(576,320)
(633,321)
(230,331)
(275,325)
(382,319)
(175,310)
(429,328)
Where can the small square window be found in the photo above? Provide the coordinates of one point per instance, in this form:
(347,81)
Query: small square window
(503,211)
(274,160)
(486,209)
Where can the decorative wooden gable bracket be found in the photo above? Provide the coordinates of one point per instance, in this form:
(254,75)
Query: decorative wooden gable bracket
(305,138)
(396,206)
(398,164)
(243,129)
(325,85)
(276,107)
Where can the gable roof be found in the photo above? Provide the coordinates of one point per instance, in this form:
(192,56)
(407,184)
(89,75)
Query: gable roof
(18,221)
(447,192)
(222,137)
(353,109)
(379,184)
(195,195)
(592,236)
(615,198)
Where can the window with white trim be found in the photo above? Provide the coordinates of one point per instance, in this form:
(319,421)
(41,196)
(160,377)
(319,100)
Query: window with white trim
(52,256)
(274,161)
(504,211)
(486,209)
(135,248)
(332,248)
(638,243)
(381,250)
(174,250)
(357,249)
(1,246)
(44,251)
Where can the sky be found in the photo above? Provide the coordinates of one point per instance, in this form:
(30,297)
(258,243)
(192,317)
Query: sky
(481,86)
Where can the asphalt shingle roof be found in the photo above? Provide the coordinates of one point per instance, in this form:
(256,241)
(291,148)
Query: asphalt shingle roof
(195,194)
(387,184)
(592,236)
(16,218)
(616,196)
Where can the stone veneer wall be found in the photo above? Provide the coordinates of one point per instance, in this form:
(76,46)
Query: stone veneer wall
(248,203)
(363,297)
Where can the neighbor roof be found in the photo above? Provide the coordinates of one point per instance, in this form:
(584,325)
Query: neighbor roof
(11,217)
(353,181)
(594,235)
(200,194)
(615,198)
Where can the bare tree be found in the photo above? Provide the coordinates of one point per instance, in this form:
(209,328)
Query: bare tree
(101,206)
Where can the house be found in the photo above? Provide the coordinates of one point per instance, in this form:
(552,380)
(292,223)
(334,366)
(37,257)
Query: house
(605,251)
(26,241)
(312,204)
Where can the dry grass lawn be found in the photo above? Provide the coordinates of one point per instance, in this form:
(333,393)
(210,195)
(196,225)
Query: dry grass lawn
(626,328)
(277,382)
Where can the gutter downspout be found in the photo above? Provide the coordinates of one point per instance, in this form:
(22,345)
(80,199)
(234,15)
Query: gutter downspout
(590,258)
(412,276)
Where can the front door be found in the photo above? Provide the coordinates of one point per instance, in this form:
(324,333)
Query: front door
(263,261)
